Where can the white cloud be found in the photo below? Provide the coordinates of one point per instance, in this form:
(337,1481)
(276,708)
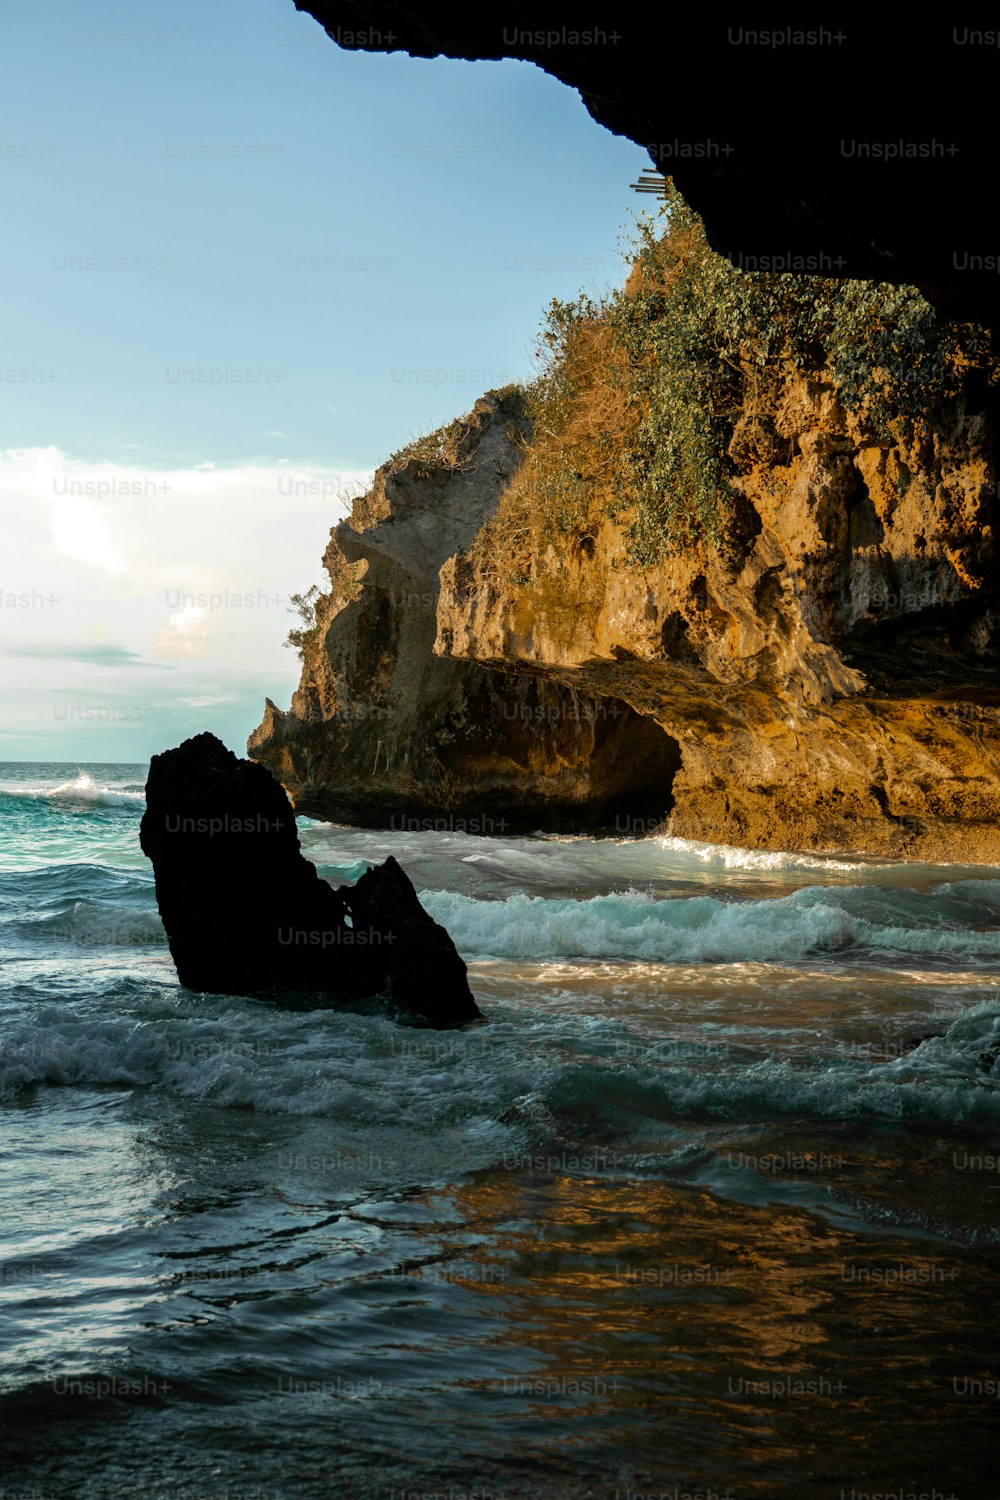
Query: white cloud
(81,530)
(192,567)
(185,634)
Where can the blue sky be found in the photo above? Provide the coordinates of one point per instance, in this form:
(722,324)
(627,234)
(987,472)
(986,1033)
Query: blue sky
(234,252)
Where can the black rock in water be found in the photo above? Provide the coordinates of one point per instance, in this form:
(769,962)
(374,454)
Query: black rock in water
(246,913)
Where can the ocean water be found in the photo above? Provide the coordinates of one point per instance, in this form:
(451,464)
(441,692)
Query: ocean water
(708,1206)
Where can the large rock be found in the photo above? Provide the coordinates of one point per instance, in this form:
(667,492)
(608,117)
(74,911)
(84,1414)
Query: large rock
(246,913)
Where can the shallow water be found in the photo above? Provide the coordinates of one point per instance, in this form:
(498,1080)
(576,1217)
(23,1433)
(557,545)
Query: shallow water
(709,1204)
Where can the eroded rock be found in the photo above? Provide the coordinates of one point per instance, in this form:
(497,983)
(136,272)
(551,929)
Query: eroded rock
(247,914)
(385,731)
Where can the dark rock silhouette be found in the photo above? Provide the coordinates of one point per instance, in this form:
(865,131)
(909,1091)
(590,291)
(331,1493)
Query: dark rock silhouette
(842,193)
(246,913)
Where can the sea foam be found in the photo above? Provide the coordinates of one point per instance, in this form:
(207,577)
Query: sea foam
(704,929)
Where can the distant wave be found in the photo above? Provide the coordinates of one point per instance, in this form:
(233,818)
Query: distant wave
(729,857)
(812,921)
(85,789)
(82,791)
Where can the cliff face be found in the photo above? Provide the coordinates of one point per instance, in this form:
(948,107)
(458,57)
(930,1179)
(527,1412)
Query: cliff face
(825,680)
(830,681)
(385,731)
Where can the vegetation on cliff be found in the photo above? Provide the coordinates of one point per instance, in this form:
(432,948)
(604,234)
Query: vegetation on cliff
(636,406)
(314,607)
(653,402)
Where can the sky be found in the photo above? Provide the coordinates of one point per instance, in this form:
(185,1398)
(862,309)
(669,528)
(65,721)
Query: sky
(241,267)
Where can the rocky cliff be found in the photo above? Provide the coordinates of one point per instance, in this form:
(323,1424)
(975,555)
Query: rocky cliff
(385,730)
(819,673)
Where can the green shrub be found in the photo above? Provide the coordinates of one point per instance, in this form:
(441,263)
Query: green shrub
(707,342)
(638,395)
(304,605)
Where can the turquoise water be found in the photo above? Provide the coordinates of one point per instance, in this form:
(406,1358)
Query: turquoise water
(708,1205)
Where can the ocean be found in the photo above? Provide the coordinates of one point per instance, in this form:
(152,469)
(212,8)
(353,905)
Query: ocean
(707,1207)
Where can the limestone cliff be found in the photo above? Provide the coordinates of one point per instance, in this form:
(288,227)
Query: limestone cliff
(821,673)
(385,731)
(833,687)
(832,684)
